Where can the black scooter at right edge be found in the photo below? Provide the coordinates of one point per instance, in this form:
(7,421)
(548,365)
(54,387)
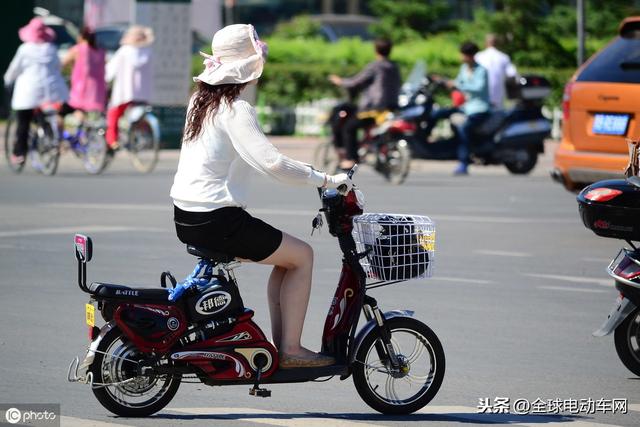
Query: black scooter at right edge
(611,208)
(513,137)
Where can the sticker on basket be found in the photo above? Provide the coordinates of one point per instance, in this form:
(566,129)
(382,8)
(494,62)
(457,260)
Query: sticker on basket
(427,240)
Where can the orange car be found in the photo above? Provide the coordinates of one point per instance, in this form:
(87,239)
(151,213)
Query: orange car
(601,109)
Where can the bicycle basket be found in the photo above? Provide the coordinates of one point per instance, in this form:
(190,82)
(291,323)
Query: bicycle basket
(399,247)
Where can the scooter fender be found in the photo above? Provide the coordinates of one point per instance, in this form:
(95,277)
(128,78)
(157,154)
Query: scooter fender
(371,324)
(154,123)
(622,308)
(83,369)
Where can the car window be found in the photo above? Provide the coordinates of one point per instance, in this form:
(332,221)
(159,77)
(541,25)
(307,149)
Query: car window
(62,35)
(619,62)
(108,39)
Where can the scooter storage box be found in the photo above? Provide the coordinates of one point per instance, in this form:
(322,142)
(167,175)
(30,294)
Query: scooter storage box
(611,208)
(528,87)
(215,302)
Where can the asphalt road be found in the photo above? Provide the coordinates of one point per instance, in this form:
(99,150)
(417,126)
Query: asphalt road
(519,286)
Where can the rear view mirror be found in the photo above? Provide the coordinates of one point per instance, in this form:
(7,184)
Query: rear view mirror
(83,247)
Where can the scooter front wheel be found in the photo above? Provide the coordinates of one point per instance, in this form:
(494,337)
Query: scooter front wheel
(118,385)
(627,340)
(414,383)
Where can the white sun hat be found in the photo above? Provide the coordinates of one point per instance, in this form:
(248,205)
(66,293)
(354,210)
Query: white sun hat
(238,56)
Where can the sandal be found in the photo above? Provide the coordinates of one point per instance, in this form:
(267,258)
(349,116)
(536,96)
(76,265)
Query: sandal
(316,361)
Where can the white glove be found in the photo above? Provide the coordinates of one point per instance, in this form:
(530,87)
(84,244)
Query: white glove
(336,181)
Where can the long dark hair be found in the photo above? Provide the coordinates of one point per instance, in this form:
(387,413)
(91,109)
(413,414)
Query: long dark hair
(89,36)
(205,104)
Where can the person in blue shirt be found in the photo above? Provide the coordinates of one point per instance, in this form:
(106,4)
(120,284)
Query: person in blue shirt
(473,82)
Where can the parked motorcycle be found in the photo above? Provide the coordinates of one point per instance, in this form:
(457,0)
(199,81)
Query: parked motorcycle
(512,137)
(611,209)
(149,344)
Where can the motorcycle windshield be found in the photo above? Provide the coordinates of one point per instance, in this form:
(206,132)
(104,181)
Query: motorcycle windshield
(414,81)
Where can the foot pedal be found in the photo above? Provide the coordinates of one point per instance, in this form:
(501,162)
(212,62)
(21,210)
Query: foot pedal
(259,392)
(256,390)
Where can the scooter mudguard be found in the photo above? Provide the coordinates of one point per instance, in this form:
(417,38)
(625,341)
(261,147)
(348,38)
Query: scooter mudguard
(368,327)
(91,352)
(621,309)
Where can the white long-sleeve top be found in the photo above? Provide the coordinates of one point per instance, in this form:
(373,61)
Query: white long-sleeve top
(213,171)
(35,69)
(499,66)
(131,72)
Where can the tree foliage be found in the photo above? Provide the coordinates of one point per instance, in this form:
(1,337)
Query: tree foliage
(409,19)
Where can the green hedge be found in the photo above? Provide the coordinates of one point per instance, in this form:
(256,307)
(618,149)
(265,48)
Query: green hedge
(297,69)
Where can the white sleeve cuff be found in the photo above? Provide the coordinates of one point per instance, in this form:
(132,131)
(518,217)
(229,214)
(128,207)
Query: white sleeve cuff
(316,178)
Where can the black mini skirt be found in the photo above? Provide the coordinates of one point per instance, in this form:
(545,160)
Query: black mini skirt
(230,230)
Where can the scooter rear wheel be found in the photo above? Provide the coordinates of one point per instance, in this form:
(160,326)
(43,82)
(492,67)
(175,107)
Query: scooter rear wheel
(116,361)
(422,368)
(627,340)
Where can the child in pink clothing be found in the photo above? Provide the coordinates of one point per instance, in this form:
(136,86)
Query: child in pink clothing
(88,86)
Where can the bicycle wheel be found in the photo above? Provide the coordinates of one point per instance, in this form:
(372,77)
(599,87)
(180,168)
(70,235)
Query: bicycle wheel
(45,154)
(94,156)
(9,142)
(414,385)
(143,145)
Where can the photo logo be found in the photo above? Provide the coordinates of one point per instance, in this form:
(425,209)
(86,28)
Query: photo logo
(13,415)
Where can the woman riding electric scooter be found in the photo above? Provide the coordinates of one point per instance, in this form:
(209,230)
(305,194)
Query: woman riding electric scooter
(222,141)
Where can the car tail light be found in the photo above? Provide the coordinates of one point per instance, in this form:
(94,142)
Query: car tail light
(602,194)
(566,101)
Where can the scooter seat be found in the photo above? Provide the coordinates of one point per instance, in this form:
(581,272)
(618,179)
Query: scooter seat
(492,123)
(215,257)
(111,291)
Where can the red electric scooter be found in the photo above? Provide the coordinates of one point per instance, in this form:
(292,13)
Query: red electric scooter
(149,345)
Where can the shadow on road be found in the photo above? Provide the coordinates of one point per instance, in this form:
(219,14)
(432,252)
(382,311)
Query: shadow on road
(405,419)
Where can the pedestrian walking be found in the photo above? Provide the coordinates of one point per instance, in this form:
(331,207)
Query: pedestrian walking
(35,73)
(499,68)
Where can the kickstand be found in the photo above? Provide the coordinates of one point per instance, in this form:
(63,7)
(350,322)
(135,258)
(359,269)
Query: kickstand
(256,390)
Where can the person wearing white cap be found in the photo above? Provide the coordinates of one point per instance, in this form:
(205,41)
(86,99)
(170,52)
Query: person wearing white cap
(222,142)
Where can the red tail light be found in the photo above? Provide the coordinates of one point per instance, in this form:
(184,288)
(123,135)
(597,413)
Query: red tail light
(602,194)
(566,101)
(94,331)
(402,126)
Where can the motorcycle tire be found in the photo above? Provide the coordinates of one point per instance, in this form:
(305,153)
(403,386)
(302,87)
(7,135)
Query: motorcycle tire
(397,162)
(525,162)
(325,157)
(363,370)
(114,362)
(627,341)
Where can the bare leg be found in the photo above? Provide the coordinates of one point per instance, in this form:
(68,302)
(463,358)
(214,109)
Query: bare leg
(296,257)
(273,293)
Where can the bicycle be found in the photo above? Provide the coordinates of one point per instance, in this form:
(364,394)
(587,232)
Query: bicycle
(46,141)
(139,131)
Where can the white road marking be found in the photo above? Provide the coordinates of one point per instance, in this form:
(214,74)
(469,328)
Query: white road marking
(568,423)
(76,229)
(634,407)
(503,253)
(80,422)
(598,260)
(501,219)
(575,289)
(294,212)
(109,206)
(276,418)
(461,280)
(573,279)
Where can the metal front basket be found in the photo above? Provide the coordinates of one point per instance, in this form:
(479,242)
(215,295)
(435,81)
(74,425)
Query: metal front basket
(398,247)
